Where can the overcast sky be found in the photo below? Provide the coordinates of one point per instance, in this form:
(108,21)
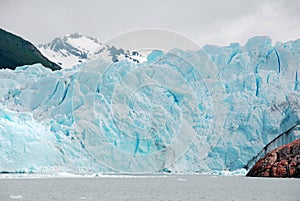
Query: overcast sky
(203,21)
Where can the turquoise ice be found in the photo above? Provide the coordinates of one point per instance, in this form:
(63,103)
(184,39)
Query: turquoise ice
(181,111)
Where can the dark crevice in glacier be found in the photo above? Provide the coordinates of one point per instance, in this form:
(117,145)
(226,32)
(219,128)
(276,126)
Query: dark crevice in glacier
(269,52)
(176,100)
(256,69)
(257,81)
(296,79)
(65,94)
(36,107)
(231,57)
(82,145)
(137,143)
(278,60)
(98,89)
(53,93)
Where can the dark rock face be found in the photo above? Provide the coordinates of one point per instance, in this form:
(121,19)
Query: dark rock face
(281,162)
(15,51)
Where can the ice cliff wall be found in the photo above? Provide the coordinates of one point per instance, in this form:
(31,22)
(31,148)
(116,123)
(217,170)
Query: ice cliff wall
(183,111)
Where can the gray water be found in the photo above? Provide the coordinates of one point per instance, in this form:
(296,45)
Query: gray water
(179,187)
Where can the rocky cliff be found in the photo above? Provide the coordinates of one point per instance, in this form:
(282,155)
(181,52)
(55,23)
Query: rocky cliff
(281,162)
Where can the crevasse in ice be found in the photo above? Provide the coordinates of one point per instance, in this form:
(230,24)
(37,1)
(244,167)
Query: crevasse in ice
(182,111)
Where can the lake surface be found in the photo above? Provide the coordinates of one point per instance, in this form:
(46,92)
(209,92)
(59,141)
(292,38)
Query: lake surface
(177,187)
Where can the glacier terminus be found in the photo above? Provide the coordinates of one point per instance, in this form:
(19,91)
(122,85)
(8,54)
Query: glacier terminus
(179,111)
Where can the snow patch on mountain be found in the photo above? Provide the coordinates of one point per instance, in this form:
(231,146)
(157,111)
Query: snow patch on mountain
(74,49)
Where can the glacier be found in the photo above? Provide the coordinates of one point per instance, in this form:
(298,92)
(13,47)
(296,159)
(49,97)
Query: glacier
(181,111)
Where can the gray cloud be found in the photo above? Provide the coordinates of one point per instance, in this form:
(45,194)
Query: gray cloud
(203,21)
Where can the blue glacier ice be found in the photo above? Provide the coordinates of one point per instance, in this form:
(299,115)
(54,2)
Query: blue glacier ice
(181,111)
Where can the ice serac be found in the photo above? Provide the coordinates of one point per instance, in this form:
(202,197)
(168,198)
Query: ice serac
(181,111)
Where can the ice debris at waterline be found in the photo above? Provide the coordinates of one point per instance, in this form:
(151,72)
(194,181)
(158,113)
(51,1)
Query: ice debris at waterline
(181,111)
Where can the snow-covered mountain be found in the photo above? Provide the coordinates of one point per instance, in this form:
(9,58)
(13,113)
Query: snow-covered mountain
(74,49)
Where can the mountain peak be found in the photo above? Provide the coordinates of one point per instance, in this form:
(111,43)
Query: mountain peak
(76,48)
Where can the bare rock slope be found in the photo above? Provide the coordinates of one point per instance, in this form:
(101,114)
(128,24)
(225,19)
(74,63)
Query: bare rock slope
(281,162)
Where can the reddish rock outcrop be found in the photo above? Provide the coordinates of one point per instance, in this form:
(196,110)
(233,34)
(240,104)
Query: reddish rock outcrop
(281,162)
